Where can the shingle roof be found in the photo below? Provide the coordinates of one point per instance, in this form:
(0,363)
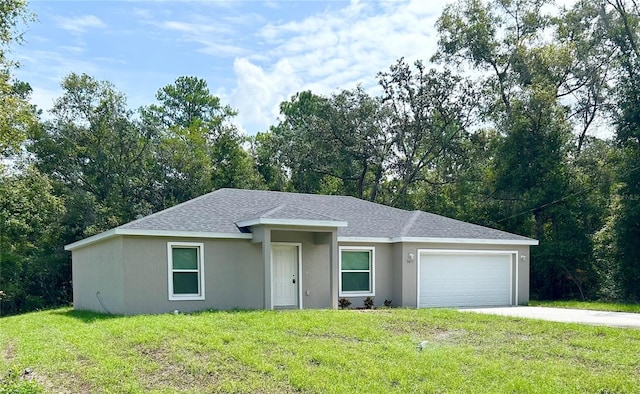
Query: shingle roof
(219,211)
(285,211)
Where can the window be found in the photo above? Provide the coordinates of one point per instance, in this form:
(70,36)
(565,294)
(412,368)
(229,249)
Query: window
(186,276)
(357,271)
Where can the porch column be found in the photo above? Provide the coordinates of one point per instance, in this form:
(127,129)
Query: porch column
(266,258)
(333,269)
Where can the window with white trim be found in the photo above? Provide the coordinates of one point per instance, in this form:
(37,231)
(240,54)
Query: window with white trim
(186,270)
(357,271)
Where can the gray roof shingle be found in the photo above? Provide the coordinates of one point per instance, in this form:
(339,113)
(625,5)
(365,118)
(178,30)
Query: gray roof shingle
(219,211)
(285,211)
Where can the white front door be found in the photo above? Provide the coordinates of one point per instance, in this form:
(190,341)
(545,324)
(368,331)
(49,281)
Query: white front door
(284,259)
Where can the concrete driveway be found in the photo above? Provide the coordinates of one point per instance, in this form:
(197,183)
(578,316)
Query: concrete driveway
(599,318)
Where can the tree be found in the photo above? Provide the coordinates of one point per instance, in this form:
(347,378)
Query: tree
(335,144)
(622,20)
(519,46)
(535,190)
(299,143)
(196,147)
(464,189)
(34,272)
(431,112)
(265,153)
(97,154)
(359,131)
(585,88)
(16,115)
(387,149)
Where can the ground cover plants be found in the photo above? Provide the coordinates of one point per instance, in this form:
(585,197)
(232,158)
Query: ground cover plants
(323,351)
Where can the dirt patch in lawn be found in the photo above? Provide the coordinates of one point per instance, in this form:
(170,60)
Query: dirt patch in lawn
(66,384)
(163,371)
(422,332)
(441,335)
(9,351)
(210,371)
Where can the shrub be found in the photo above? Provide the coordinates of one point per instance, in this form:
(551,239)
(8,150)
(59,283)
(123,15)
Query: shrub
(387,303)
(368,303)
(344,303)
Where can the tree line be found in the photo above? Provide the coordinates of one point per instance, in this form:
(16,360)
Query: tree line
(497,129)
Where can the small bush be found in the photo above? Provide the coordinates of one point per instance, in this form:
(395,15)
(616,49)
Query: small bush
(344,303)
(368,303)
(387,303)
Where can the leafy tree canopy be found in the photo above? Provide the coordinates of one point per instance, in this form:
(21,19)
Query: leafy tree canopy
(16,115)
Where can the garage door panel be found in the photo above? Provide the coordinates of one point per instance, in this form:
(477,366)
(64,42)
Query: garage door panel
(464,279)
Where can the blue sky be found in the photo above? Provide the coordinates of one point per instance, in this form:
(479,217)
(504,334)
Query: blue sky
(253,54)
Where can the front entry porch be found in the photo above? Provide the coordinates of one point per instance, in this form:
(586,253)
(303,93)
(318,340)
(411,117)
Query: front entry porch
(300,266)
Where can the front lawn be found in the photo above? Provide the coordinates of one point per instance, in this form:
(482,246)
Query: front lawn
(596,306)
(325,351)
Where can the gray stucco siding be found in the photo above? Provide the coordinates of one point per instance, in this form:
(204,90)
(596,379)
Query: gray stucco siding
(99,270)
(398,275)
(232,273)
(131,272)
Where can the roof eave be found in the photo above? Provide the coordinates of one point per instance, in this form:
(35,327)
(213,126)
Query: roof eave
(91,240)
(478,241)
(153,233)
(306,223)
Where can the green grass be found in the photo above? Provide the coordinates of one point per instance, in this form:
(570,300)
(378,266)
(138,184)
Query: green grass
(325,351)
(595,306)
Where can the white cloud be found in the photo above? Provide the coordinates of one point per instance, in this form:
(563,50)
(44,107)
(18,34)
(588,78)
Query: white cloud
(78,49)
(221,49)
(192,28)
(213,37)
(259,92)
(143,13)
(80,24)
(335,49)
(45,69)
(48,67)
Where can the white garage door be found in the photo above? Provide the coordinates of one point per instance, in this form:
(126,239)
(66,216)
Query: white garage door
(464,279)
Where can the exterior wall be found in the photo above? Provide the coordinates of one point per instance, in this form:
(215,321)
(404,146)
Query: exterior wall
(386,266)
(315,276)
(99,268)
(232,268)
(398,274)
(131,272)
(410,270)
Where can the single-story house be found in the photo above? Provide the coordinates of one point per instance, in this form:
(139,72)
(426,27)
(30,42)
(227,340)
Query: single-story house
(254,249)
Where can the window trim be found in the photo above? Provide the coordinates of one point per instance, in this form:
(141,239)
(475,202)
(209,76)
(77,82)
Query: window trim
(372,271)
(199,246)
